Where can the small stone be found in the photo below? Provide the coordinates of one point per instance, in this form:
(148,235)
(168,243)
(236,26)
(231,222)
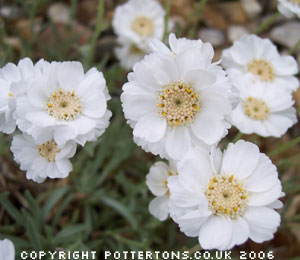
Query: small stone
(251,7)
(59,13)
(235,32)
(214,36)
(287,34)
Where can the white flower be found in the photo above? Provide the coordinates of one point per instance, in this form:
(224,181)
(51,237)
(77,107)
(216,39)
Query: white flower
(128,53)
(42,160)
(7,250)
(63,103)
(224,199)
(157,181)
(289,8)
(263,110)
(260,60)
(10,76)
(139,21)
(177,98)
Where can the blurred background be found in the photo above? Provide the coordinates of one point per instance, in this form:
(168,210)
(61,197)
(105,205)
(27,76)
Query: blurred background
(103,204)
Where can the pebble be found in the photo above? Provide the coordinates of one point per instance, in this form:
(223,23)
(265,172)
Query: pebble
(251,7)
(59,13)
(214,36)
(287,34)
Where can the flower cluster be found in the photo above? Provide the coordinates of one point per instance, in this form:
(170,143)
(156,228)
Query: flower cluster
(180,104)
(136,23)
(265,80)
(55,106)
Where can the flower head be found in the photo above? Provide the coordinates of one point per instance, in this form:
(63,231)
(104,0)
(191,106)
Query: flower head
(177,98)
(157,182)
(259,60)
(13,80)
(224,199)
(264,111)
(7,250)
(139,21)
(289,8)
(42,160)
(62,104)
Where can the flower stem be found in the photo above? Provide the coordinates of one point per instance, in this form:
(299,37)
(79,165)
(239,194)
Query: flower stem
(263,27)
(294,48)
(238,136)
(166,29)
(99,28)
(285,146)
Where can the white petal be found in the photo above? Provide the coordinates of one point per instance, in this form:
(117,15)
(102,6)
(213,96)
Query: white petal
(64,166)
(158,207)
(150,127)
(263,177)
(7,250)
(208,127)
(263,222)
(180,196)
(190,223)
(266,197)
(285,66)
(240,232)
(195,170)
(70,74)
(240,159)
(215,233)
(178,142)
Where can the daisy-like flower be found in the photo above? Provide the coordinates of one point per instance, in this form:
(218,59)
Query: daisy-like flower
(62,104)
(42,160)
(224,199)
(10,76)
(128,53)
(264,111)
(139,21)
(177,98)
(260,60)
(289,8)
(7,250)
(157,182)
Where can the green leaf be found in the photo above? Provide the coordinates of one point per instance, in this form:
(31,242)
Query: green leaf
(11,209)
(54,197)
(121,209)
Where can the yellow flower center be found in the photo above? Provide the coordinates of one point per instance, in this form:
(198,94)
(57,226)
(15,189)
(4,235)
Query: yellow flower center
(226,196)
(64,105)
(48,150)
(263,69)
(143,26)
(256,109)
(178,103)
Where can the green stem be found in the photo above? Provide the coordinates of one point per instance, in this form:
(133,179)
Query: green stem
(238,136)
(99,28)
(166,29)
(285,146)
(294,48)
(194,249)
(263,27)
